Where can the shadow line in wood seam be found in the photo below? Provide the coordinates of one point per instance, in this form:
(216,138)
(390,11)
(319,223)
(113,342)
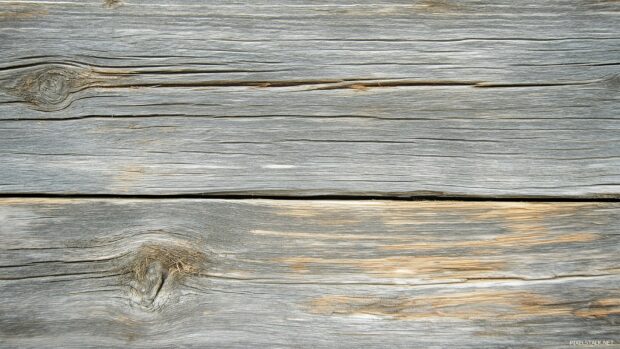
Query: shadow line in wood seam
(291,196)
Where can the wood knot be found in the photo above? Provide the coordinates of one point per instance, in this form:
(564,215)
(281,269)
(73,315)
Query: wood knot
(48,88)
(155,270)
(112,4)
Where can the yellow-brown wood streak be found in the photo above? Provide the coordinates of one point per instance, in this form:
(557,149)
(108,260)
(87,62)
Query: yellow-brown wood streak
(467,305)
(426,267)
(20,11)
(518,240)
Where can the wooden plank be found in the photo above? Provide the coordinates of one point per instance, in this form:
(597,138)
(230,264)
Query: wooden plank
(501,40)
(138,44)
(575,156)
(472,98)
(349,274)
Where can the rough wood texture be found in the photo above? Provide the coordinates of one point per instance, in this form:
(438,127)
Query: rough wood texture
(480,98)
(289,97)
(352,274)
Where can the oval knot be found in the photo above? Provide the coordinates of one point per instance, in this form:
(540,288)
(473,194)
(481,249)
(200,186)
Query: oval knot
(48,88)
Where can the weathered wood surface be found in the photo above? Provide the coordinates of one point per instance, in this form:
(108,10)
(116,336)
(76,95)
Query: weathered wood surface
(281,274)
(429,97)
(478,98)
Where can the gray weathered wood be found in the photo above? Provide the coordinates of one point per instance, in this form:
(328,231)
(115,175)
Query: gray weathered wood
(427,97)
(511,156)
(347,274)
(430,39)
(480,98)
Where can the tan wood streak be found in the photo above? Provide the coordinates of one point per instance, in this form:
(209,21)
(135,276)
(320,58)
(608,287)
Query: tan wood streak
(468,305)
(128,175)
(440,6)
(326,236)
(517,240)
(12,201)
(20,11)
(526,221)
(425,267)
(397,212)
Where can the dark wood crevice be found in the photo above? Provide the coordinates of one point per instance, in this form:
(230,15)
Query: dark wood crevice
(327,197)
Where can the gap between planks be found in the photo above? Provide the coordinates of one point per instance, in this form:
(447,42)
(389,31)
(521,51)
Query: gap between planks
(310,197)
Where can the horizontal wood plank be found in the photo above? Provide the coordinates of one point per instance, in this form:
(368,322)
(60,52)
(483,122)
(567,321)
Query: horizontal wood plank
(257,273)
(438,154)
(467,98)
(528,41)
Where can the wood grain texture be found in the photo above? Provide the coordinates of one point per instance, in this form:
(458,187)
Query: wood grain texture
(348,274)
(465,98)
(288,97)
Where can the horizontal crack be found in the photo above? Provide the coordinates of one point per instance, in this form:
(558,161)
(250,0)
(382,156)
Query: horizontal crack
(301,195)
(53,87)
(267,281)
(540,84)
(360,85)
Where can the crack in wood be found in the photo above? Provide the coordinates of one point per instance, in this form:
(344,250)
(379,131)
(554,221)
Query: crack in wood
(50,87)
(300,195)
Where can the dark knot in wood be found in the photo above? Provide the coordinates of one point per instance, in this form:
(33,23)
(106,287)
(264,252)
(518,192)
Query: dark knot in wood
(155,270)
(112,3)
(48,88)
